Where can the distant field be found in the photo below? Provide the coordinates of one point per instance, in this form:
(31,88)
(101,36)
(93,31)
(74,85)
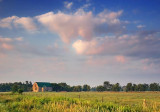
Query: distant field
(81,102)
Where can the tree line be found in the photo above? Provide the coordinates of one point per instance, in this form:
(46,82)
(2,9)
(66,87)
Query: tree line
(106,86)
(25,86)
(129,87)
(64,87)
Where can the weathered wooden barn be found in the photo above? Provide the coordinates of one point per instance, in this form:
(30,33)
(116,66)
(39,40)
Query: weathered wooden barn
(42,87)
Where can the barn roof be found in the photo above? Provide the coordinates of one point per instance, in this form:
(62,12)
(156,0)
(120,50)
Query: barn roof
(44,84)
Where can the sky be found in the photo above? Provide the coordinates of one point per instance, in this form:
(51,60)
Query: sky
(80,41)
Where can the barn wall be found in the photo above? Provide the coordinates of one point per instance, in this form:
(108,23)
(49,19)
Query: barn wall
(49,88)
(35,87)
(40,89)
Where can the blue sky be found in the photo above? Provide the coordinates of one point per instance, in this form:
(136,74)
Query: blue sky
(80,41)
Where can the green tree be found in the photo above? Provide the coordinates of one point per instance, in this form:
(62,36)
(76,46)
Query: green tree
(93,89)
(129,87)
(107,85)
(77,88)
(140,87)
(116,87)
(20,91)
(154,87)
(146,87)
(100,88)
(15,88)
(5,87)
(64,86)
(56,87)
(86,87)
(134,86)
(60,87)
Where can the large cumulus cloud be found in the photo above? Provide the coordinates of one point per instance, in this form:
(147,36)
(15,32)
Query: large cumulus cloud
(81,23)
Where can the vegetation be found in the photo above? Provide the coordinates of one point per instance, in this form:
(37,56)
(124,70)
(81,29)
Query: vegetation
(5,87)
(100,88)
(80,102)
(107,86)
(73,100)
(86,87)
(20,91)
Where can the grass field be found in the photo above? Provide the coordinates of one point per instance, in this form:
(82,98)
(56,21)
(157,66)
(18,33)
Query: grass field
(81,102)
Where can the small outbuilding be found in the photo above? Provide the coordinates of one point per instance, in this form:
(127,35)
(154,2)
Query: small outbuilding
(42,87)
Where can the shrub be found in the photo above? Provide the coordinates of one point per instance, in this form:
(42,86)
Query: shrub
(20,91)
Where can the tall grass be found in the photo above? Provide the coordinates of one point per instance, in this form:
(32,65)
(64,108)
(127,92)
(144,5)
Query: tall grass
(80,102)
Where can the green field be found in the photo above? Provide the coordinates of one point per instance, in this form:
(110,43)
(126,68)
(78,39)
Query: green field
(81,102)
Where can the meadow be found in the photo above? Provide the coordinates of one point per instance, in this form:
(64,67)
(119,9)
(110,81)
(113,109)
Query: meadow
(80,102)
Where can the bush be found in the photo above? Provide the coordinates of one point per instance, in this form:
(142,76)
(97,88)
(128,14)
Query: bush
(20,91)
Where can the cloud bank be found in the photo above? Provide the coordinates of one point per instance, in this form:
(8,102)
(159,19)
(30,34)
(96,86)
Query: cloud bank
(141,46)
(89,34)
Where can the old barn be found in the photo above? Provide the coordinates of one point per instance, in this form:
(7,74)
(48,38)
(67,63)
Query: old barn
(42,87)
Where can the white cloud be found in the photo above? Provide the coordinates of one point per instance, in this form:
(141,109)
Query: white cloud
(140,26)
(19,38)
(81,23)
(125,45)
(7,22)
(26,22)
(14,21)
(5,39)
(68,26)
(7,43)
(110,17)
(120,59)
(6,46)
(85,6)
(87,47)
(68,5)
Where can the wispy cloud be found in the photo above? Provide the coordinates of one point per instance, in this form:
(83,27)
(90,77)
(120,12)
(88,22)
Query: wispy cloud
(68,5)
(7,43)
(120,59)
(7,46)
(17,22)
(7,22)
(140,26)
(5,39)
(19,38)
(26,22)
